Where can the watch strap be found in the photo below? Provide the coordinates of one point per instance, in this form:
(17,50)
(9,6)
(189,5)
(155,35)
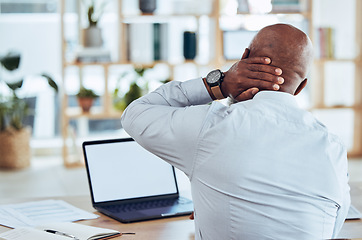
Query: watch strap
(216,91)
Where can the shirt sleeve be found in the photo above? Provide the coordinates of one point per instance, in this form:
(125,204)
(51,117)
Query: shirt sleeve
(345,193)
(342,212)
(167,122)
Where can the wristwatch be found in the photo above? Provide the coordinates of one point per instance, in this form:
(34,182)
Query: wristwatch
(214,80)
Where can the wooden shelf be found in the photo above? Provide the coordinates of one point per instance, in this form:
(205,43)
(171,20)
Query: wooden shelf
(164,15)
(304,14)
(150,65)
(325,107)
(95,113)
(324,60)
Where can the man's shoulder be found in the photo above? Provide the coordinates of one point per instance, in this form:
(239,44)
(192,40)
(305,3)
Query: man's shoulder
(331,136)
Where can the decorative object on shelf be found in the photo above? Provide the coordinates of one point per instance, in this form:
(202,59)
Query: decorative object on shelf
(86,98)
(92,35)
(189,45)
(15,137)
(147,6)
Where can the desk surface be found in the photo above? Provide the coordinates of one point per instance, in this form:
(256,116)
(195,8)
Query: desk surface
(180,228)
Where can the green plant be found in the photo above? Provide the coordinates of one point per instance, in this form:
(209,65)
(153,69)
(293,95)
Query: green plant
(13,109)
(135,91)
(94,11)
(138,87)
(86,93)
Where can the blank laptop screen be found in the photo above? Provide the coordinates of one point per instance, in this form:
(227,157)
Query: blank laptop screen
(124,170)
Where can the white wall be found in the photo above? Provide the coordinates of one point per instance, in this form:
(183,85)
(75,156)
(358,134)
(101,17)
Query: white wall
(36,37)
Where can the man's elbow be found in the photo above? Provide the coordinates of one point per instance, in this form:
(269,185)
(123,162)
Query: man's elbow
(125,120)
(129,116)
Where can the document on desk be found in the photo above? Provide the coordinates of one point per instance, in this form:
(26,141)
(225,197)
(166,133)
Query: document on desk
(27,233)
(30,214)
(59,231)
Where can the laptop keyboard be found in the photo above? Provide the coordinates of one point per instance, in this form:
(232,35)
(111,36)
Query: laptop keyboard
(146,205)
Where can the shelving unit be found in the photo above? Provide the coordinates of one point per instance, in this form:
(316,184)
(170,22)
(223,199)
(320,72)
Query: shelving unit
(217,60)
(106,111)
(319,82)
(305,13)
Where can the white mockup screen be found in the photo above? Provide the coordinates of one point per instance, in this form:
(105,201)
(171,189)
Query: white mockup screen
(125,170)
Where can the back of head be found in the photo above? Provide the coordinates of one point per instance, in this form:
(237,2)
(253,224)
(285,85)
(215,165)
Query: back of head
(289,49)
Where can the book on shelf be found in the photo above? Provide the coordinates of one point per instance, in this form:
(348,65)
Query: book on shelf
(325,42)
(243,6)
(90,55)
(289,5)
(147,42)
(160,41)
(59,231)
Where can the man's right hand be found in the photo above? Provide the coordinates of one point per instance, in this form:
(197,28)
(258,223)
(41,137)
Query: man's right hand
(247,76)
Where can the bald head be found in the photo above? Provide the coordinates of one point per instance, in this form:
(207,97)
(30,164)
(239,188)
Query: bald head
(289,49)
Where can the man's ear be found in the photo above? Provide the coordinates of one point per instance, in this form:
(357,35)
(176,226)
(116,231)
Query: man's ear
(300,87)
(246,53)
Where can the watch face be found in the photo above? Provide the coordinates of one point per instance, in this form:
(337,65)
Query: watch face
(213,76)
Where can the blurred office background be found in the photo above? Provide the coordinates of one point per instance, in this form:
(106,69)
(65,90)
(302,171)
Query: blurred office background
(146,43)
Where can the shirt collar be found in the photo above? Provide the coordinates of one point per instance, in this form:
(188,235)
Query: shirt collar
(280,97)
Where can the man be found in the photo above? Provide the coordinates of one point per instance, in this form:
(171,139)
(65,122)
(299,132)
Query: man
(259,169)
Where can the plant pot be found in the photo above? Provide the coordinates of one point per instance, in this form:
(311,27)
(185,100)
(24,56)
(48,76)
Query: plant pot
(92,37)
(85,104)
(15,150)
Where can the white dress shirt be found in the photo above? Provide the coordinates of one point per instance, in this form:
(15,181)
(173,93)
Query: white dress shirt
(259,169)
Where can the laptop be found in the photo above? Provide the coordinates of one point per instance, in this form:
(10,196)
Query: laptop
(130,184)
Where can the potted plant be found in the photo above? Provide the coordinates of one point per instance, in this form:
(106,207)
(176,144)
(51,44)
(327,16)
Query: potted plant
(86,98)
(15,137)
(92,35)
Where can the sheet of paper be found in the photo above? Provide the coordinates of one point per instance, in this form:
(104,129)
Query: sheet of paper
(9,219)
(30,214)
(80,231)
(29,233)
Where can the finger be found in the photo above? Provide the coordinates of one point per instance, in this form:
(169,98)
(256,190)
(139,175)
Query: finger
(258,60)
(247,95)
(265,68)
(260,84)
(192,217)
(246,53)
(266,77)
